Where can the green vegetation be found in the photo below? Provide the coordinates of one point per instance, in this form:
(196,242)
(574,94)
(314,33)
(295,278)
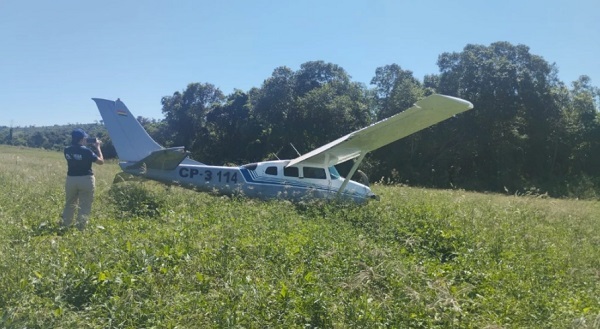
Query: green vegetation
(528,131)
(163,257)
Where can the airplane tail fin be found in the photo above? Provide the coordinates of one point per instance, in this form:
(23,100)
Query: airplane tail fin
(131,141)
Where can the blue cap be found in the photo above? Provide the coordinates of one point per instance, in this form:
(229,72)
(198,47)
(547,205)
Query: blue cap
(78,134)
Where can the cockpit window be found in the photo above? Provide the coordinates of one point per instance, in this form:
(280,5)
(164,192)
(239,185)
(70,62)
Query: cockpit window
(334,173)
(312,172)
(271,171)
(290,171)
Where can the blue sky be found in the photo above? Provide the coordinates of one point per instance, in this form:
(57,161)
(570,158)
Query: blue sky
(56,55)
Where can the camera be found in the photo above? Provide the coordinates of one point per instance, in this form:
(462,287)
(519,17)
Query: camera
(92,140)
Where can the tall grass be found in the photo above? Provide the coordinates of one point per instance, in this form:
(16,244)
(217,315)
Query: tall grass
(154,256)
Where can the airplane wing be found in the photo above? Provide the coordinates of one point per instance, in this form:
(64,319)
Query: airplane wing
(423,114)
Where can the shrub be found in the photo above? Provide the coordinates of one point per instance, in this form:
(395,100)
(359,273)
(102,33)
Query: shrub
(136,199)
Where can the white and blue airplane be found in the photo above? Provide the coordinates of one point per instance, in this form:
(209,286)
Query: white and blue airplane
(311,175)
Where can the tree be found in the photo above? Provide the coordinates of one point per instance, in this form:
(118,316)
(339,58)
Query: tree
(396,90)
(9,138)
(580,118)
(185,113)
(271,105)
(232,130)
(38,139)
(307,108)
(512,131)
(316,74)
(327,113)
(327,105)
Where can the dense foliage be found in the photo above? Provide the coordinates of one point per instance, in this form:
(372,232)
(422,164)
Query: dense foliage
(165,257)
(528,131)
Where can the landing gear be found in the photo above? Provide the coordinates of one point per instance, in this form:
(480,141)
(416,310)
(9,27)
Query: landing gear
(362,178)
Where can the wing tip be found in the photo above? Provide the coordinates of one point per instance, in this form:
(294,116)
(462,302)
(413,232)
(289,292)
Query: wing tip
(459,101)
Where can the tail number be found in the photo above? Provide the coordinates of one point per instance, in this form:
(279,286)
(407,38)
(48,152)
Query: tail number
(227,177)
(221,176)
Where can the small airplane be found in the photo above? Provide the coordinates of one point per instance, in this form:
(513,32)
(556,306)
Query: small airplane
(312,175)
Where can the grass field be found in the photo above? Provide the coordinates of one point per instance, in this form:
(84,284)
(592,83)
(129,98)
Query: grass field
(158,257)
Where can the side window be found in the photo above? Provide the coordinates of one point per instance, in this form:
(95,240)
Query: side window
(317,173)
(290,171)
(271,171)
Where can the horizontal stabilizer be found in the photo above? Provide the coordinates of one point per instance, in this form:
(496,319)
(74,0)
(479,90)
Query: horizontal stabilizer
(165,159)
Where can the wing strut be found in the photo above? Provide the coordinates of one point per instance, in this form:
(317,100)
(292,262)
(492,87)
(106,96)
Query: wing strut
(351,173)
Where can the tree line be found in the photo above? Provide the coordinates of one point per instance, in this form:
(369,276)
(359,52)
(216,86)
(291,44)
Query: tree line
(529,131)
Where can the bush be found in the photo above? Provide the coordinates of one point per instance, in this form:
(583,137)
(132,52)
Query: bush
(134,198)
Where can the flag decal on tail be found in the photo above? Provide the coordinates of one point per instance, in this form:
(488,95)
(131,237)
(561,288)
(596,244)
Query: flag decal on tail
(122,113)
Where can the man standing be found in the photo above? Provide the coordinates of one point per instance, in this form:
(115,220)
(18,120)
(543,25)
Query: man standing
(80,184)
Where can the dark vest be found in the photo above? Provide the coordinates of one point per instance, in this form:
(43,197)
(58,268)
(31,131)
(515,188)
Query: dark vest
(79,160)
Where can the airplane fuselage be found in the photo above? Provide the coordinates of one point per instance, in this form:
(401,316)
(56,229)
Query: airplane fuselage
(263,180)
(311,175)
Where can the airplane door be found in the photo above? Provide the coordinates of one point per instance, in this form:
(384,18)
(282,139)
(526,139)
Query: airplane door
(333,177)
(330,190)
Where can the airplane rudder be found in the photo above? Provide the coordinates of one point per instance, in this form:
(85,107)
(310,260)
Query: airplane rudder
(105,106)
(122,108)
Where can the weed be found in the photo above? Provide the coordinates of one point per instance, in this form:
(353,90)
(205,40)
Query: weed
(136,199)
(417,259)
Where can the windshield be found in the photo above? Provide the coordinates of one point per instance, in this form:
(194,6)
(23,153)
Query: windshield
(334,173)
